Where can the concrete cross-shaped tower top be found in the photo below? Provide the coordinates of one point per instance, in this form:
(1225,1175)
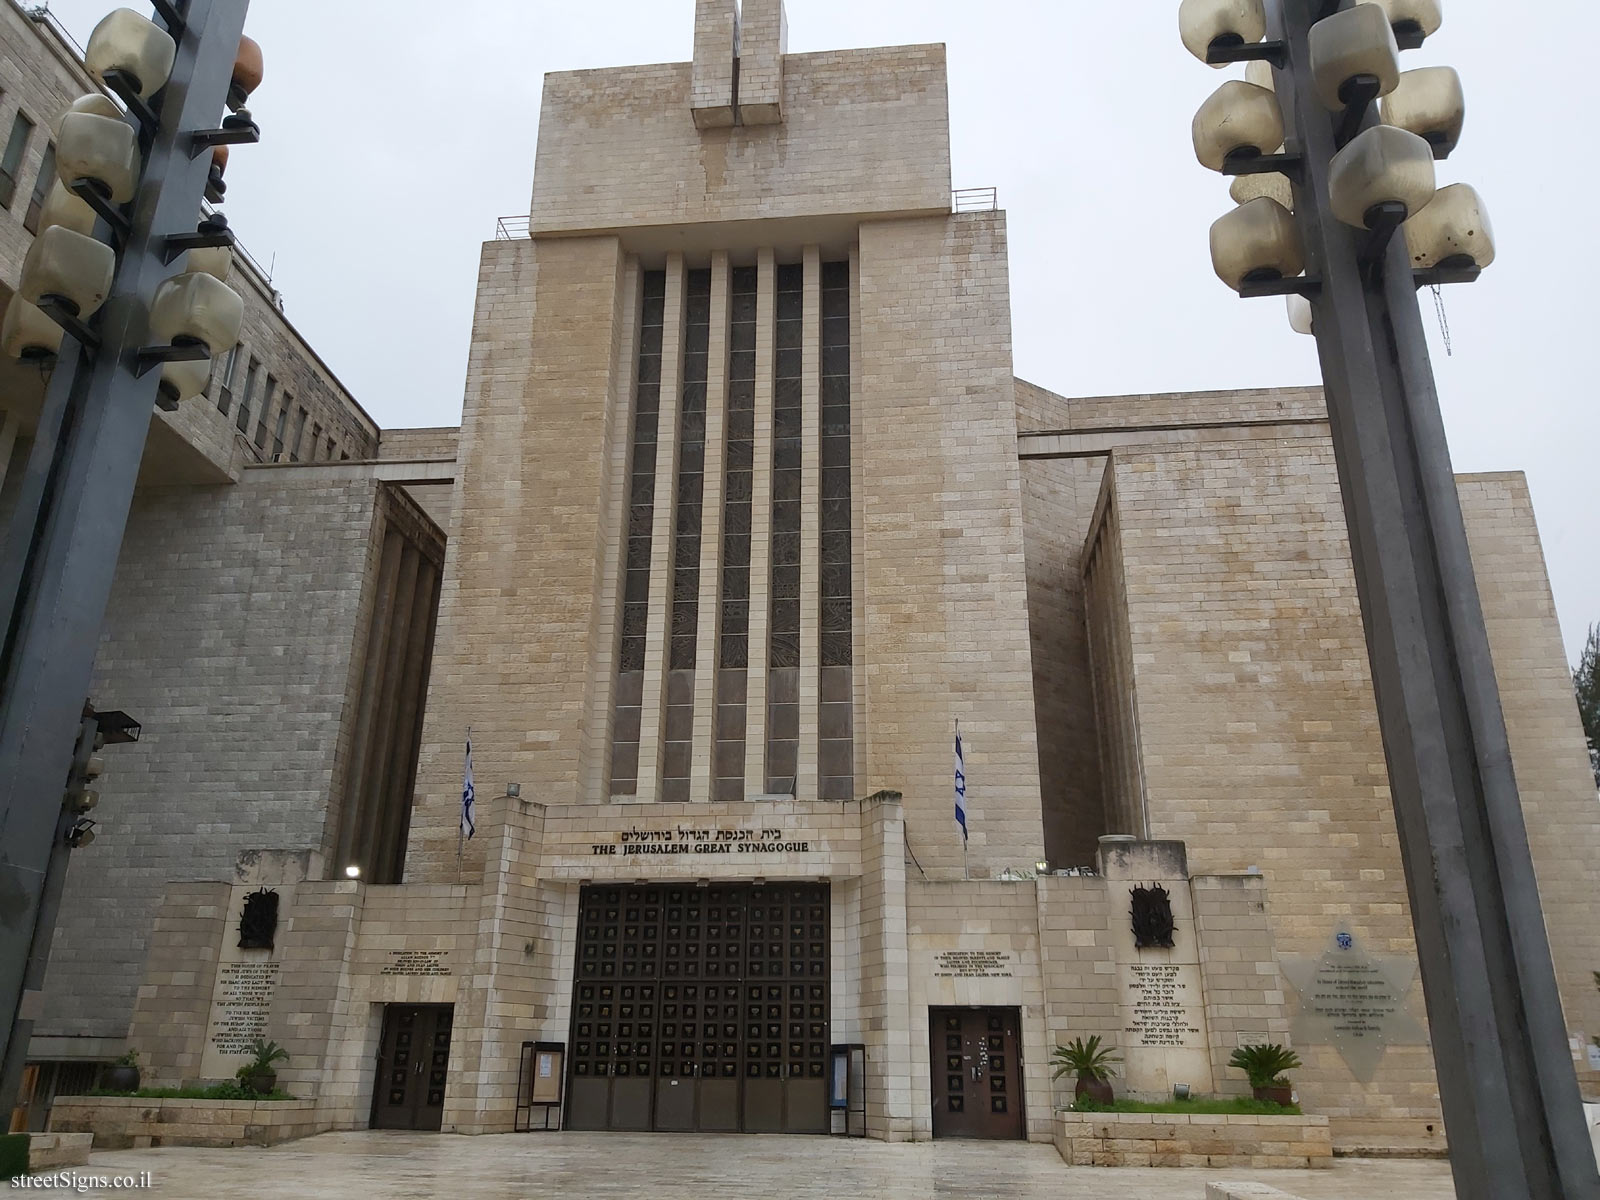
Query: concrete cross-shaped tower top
(738,63)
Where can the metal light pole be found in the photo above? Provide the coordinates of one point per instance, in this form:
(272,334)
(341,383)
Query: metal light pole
(1506,1082)
(61,549)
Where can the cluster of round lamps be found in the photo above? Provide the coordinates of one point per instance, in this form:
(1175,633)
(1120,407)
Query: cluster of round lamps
(69,269)
(1384,174)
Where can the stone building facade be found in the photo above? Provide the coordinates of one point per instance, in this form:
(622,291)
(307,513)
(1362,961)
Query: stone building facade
(746,516)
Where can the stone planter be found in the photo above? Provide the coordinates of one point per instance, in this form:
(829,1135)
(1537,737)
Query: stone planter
(134,1122)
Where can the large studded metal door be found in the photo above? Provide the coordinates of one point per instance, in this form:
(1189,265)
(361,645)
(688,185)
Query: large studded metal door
(976,1068)
(701,1008)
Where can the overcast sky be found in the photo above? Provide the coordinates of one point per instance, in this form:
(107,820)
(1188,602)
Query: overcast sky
(395,133)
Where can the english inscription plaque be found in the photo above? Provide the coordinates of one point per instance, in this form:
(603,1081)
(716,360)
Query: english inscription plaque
(972,964)
(1354,1001)
(242,1001)
(417,962)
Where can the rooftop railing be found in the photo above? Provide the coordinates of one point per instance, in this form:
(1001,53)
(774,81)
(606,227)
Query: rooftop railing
(965,200)
(511,229)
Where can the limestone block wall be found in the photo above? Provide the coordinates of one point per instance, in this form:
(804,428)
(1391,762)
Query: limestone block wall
(410,445)
(945,631)
(1547,742)
(1245,1000)
(864,131)
(532,526)
(1078,962)
(1058,501)
(1258,734)
(231,637)
(884,1011)
(173,1008)
(996,916)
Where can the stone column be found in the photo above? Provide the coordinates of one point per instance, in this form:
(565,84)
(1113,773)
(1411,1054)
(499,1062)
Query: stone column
(707,642)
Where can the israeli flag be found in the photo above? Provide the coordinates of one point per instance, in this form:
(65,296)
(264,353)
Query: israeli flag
(961,786)
(468,827)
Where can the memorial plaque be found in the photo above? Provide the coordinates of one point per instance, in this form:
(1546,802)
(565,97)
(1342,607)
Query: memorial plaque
(417,963)
(240,1004)
(972,964)
(1354,1001)
(1161,1006)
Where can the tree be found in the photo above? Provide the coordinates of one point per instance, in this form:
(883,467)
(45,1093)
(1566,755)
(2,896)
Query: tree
(1586,683)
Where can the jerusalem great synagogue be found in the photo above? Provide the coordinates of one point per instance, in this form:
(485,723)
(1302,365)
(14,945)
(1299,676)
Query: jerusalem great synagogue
(746,522)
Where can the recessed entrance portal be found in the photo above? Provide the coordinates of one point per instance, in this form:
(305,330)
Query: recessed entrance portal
(976,1067)
(413,1063)
(701,1009)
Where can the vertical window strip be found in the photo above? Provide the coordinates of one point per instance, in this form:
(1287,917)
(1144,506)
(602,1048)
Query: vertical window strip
(783,682)
(738,490)
(835,724)
(641,515)
(682,655)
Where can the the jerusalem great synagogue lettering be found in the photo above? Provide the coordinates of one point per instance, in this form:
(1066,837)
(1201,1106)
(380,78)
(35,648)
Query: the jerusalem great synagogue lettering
(686,840)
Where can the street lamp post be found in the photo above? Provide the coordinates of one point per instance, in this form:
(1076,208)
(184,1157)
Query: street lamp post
(1367,228)
(118,267)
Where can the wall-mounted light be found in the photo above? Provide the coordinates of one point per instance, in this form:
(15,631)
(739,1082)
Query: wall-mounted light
(103,150)
(1207,25)
(63,208)
(1238,120)
(1383,173)
(352,872)
(1042,867)
(514,790)
(182,381)
(1412,20)
(1270,184)
(248,71)
(28,334)
(1301,319)
(1430,103)
(67,270)
(1453,230)
(1354,58)
(199,308)
(141,50)
(1255,242)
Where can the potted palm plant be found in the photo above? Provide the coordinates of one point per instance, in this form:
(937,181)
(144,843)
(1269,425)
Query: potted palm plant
(258,1074)
(123,1073)
(1265,1065)
(1092,1066)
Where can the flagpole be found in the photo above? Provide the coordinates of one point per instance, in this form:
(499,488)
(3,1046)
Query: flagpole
(461,822)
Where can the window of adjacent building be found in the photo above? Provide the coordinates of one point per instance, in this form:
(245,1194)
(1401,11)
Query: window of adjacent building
(264,417)
(331,447)
(242,420)
(41,189)
(316,440)
(279,429)
(783,650)
(641,518)
(299,430)
(836,757)
(11,160)
(230,369)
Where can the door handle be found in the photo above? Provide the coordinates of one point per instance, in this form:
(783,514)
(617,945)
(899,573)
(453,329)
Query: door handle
(418,1070)
(976,1071)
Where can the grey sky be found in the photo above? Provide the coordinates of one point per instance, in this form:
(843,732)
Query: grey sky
(396,133)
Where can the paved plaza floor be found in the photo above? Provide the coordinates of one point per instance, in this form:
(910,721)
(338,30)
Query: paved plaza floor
(400,1166)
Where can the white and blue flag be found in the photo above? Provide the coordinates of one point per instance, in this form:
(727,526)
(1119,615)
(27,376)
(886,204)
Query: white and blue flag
(468,827)
(961,786)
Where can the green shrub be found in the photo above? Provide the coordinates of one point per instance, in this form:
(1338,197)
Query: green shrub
(1265,1065)
(1085,1060)
(215,1091)
(13,1155)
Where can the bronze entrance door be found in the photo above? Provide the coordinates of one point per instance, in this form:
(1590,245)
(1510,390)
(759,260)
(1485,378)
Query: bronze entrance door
(701,1009)
(976,1072)
(413,1062)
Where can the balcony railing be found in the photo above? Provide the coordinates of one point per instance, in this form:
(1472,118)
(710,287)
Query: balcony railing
(511,229)
(965,200)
